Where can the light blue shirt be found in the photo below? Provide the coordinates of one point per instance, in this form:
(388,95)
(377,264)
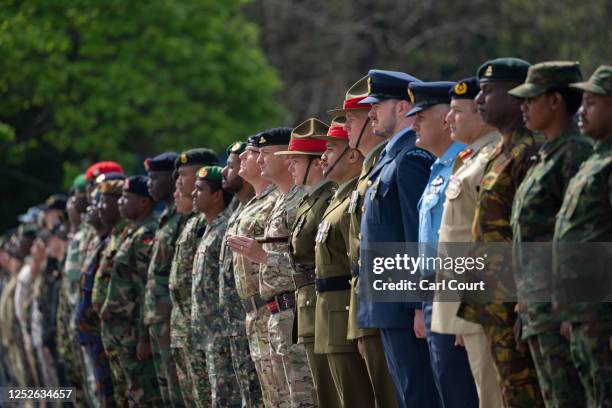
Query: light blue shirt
(431,204)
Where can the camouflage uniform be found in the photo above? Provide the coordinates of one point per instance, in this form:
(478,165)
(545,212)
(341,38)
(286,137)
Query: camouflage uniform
(536,203)
(158,306)
(206,319)
(98,297)
(303,234)
(503,173)
(374,355)
(586,216)
(244,368)
(193,389)
(23,304)
(11,335)
(275,279)
(122,314)
(88,324)
(67,347)
(251,223)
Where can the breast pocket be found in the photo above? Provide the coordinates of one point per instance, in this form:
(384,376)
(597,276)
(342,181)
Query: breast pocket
(377,196)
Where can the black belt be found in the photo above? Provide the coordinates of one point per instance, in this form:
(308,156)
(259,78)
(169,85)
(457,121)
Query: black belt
(252,303)
(333,284)
(304,276)
(272,240)
(281,302)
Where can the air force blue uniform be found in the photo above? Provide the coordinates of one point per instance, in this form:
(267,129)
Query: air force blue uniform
(391,215)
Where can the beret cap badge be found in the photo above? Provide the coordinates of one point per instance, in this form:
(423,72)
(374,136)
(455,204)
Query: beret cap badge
(262,140)
(184,158)
(203,172)
(489,71)
(461,88)
(235,147)
(411,95)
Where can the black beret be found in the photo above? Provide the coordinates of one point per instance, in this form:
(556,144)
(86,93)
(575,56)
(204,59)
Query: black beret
(274,137)
(56,202)
(503,69)
(466,88)
(200,156)
(137,185)
(161,162)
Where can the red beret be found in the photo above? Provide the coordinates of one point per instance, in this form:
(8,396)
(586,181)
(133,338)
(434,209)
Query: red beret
(102,168)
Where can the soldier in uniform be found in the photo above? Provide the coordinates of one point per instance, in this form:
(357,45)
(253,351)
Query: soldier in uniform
(122,311)
(87,319)
(456,225)
(586,217)
(196,389)
(449,362)
(157,305)
(342,165)
(212,348)
(111,217)
(549,106)
(251,223)
(306,170)
(505,170)
(362,138)
(234,330)
(407,356)
(275,275)
(68,350)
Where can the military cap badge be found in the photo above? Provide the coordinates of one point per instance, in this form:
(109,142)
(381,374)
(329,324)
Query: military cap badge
(461,88)
(411,95)
(100,178)
(184,158)
(262,140)
(369,85)
(235,147)
(203,172)
(489,71)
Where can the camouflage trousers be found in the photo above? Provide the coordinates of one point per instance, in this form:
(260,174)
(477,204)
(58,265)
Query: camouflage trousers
(101,371)
(215,356)
(274,394)
(120,387)
(245,372)
(195,390)
(89,380)
(592,357)
(165,368)
(294,371)
(69,352)
(515,369)
(559,380)
(121,338)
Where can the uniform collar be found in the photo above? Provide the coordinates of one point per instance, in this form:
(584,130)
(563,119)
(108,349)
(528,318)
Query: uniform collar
(399,140)
(603,146)
(551,146)
(485,140)
(321,185)
(449,155)
(345,188)
(372,154)
(223,215)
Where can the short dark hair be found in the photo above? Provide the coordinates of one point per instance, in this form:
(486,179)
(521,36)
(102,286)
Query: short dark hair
(216,186)
(572,98)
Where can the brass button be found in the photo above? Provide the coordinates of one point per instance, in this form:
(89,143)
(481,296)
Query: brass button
(359,263)
(346,307)
(308,303)
(359,236)
(369,183)
(362,208)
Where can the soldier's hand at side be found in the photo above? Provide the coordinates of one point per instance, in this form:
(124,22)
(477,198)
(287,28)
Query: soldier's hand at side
(248,247)
(459,342)
(566,330)
(419,325)
(143,350)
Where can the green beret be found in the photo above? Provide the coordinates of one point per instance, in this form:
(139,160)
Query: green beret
(79,183)
(547,75)
(201,156)
(503,69)
(236,147)
(210,173)
(599,83)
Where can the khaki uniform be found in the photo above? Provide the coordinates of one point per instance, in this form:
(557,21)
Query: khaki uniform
(251,223)
(333,296)
(276,286)
(303,234)
(456,226)
(374,355)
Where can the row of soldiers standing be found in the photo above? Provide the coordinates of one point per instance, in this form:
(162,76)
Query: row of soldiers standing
(250,288)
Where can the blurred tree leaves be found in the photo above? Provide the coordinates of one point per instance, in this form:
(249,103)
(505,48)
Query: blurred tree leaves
(120,80)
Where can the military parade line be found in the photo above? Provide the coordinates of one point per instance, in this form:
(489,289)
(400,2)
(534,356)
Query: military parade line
(254,286)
